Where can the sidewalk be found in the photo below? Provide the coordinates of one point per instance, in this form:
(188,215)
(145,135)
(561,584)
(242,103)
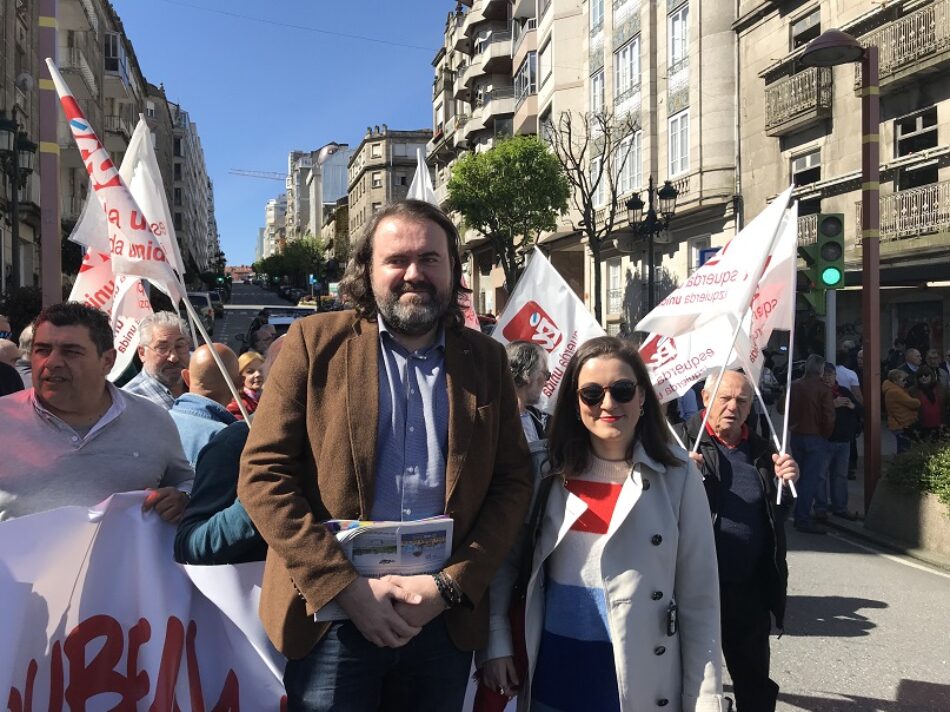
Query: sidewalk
(856,504)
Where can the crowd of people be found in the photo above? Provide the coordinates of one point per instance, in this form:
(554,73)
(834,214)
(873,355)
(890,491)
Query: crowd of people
(596,564)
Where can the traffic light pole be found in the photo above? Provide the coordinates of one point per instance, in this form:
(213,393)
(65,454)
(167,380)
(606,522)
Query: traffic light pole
(871,267)
(831,325)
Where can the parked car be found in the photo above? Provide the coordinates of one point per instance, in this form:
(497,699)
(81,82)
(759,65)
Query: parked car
(201,301)
(217,303)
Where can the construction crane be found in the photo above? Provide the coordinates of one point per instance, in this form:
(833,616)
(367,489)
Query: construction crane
(267,175)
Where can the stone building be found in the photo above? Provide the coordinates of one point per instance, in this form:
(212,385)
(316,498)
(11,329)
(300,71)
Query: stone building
(486,86)
(98,62)
(19,69)
(381,169)
(192,197)
(803,125)
(275,226)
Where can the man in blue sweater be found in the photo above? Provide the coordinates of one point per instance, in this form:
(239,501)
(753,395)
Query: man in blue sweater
(200,413)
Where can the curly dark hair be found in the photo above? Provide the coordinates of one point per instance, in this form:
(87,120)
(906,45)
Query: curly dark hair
(356,288)
(78,314)
(570,440)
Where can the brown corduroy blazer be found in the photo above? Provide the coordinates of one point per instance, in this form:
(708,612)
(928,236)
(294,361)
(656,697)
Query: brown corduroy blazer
(311,456)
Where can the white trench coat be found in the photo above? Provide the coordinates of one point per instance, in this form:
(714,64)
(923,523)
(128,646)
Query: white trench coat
(659,548)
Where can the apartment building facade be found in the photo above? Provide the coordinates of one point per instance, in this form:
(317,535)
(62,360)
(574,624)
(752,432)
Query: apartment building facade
(486,87)
(667,68)
(192,195)
(670,67)
(275,226)
(98,62)
(380,170)
(299,164)
(803,125)
(18,97)
(327,182)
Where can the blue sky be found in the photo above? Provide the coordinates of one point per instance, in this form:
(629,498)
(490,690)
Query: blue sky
(258,88)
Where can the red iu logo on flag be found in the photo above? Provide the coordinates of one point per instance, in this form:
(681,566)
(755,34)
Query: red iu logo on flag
(533,324)
(658,351)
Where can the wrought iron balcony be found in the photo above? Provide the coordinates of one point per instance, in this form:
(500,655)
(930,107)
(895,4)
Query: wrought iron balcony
(911,213)
(797,101)
(920,40)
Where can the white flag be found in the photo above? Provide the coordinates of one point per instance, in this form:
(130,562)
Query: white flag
(133,246)
(421,186)
(677,362)
(122,297)
(724,285)
(544,310)
(141,173)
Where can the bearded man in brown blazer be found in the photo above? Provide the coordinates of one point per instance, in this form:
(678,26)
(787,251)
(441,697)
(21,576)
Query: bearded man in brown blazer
(394,411)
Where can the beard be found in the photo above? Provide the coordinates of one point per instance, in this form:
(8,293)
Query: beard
(417,316)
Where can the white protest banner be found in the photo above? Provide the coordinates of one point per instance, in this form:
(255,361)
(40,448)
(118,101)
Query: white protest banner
(122,297)
(724,285)
(141,173)
(97,616)
(677,362)
(544,310)
(133,246)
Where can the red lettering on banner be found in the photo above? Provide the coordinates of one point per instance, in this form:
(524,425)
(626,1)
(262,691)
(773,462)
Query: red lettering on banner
(168,670)
(137,221)
(104,673)
(88,679)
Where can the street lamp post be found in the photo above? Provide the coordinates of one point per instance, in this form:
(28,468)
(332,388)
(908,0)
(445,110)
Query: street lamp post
(829,49)
(650,225)
(17,155)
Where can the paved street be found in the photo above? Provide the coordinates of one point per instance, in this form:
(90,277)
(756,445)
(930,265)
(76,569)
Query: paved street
(865,630)
(246,301)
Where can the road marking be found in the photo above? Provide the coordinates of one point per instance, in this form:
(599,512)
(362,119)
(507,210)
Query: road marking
(892,557)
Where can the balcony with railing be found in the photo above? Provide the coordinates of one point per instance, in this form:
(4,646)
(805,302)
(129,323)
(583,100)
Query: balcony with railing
(521,31)
(797,101)
(498,102)
(912,220)
(917,43)
(461,89)
(73,59)
(119,125)
(496,53)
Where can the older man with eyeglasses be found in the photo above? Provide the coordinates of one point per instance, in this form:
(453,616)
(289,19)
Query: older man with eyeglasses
(165,350)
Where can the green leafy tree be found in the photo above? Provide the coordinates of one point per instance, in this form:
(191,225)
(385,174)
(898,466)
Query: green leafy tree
(299,259)
(511,194)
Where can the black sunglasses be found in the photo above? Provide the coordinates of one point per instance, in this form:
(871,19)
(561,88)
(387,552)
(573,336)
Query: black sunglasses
(620,391)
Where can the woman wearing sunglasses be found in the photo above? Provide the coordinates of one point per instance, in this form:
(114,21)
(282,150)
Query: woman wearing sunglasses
(622,608)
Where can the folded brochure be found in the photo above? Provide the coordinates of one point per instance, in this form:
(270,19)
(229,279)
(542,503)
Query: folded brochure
(378,549)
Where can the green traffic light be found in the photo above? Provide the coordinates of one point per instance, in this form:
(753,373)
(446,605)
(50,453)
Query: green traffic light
(830,276)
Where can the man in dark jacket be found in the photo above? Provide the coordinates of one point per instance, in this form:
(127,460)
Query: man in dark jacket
(740,471)
(216,529)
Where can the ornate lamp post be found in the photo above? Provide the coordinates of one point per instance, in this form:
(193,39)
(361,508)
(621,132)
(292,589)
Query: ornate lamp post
(17,159)
(660,205)
(830,49)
